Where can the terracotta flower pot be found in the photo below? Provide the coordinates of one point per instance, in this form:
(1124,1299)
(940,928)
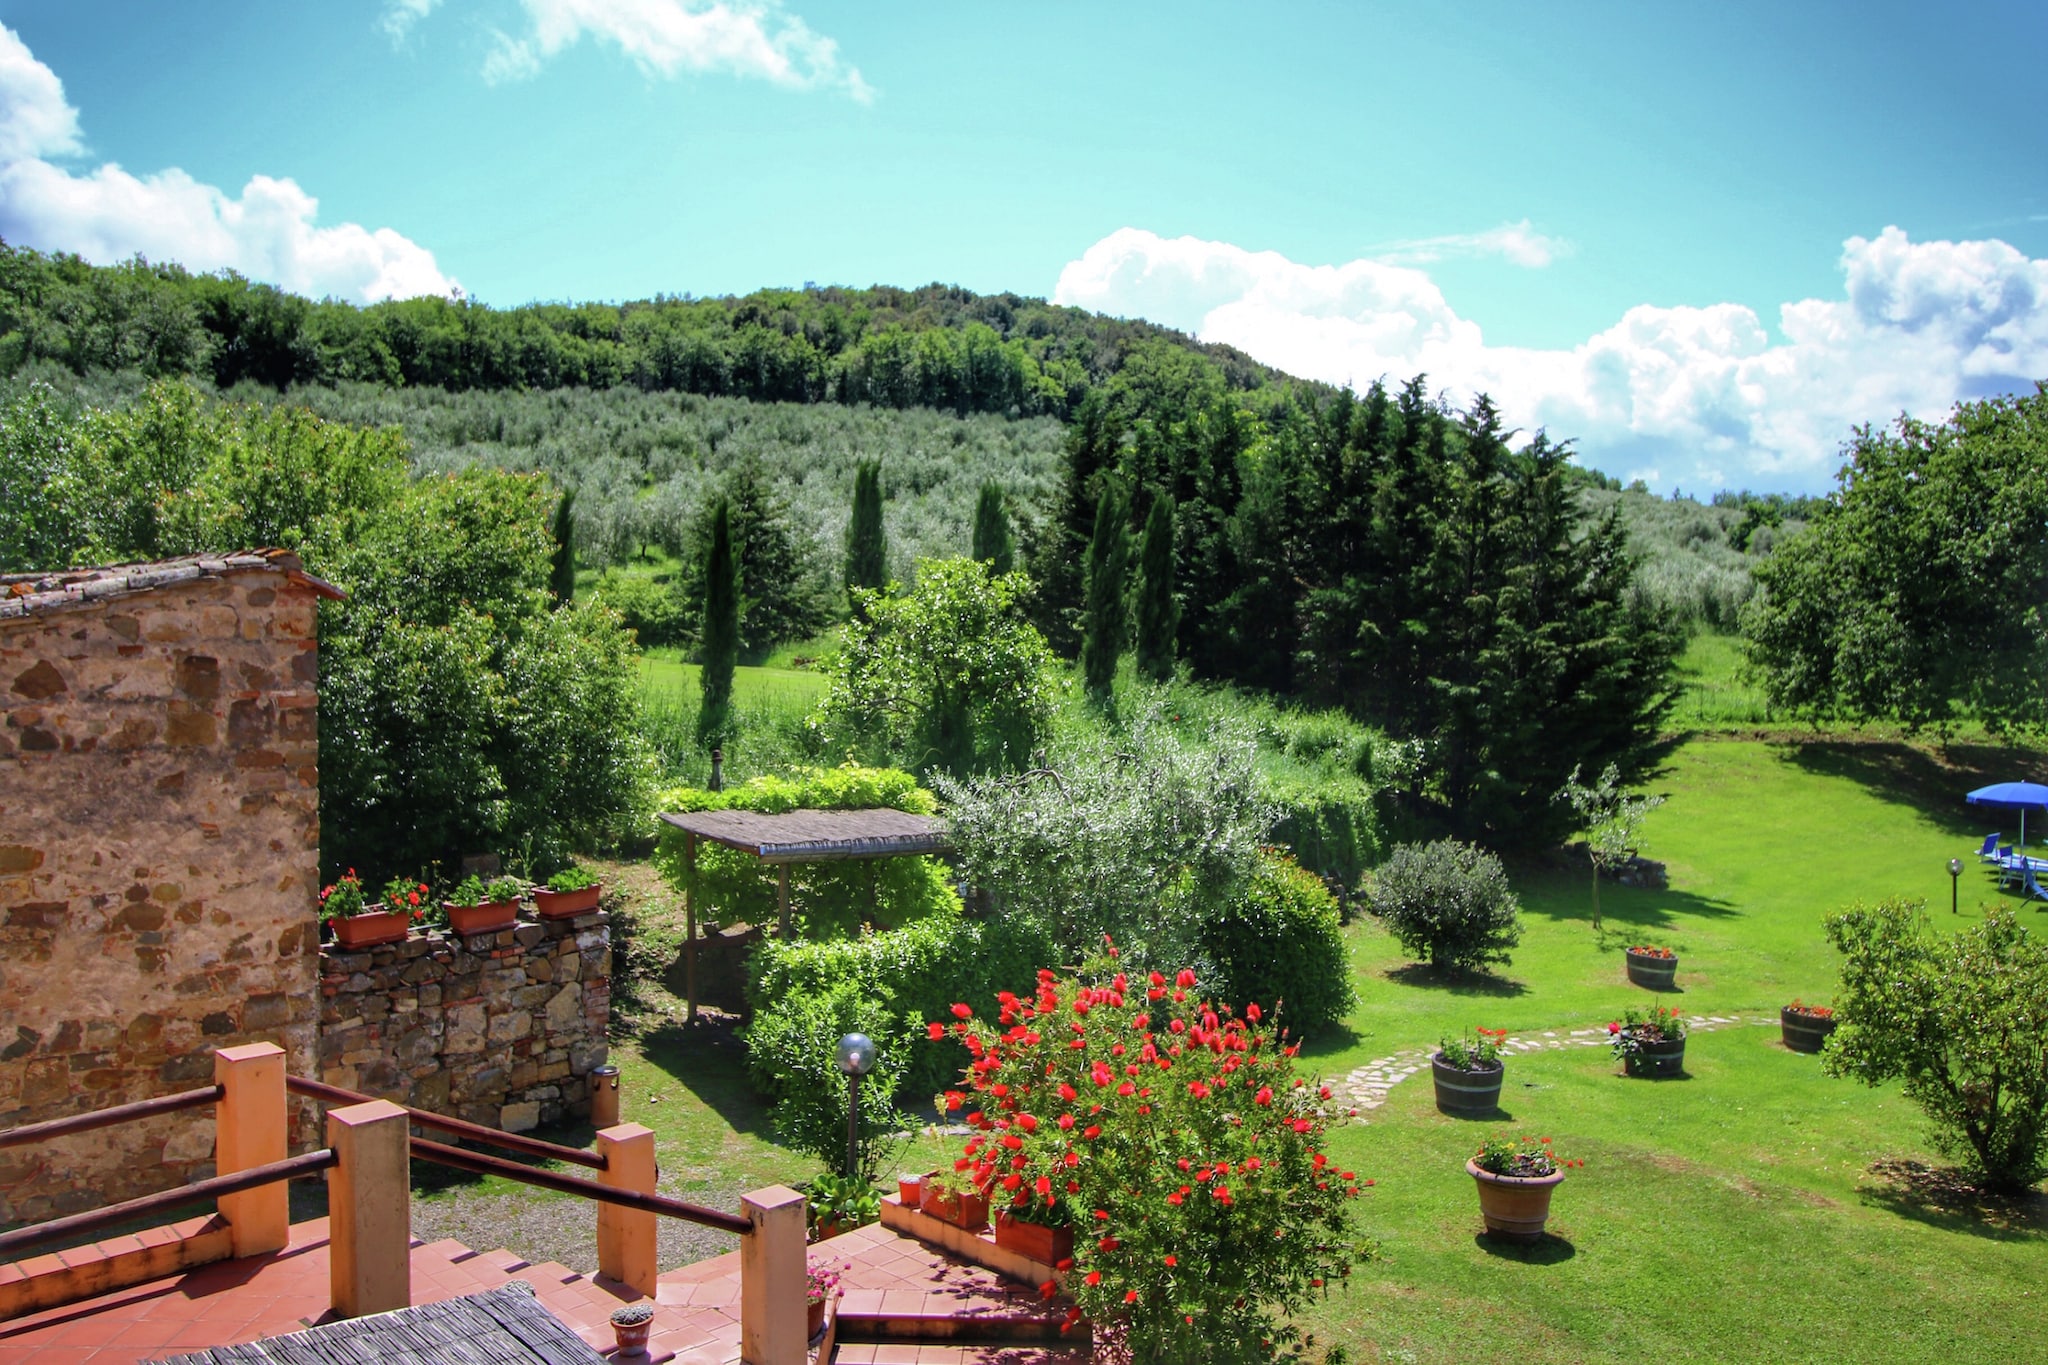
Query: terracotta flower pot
(1514,1206)
(487,918)
(910,1190)
(372,928)
(1459,1091)
(1804,1032)
(968,1210)
(1047,1246)
(631,1326)
(814,1320)
(1652,973)
(566,904)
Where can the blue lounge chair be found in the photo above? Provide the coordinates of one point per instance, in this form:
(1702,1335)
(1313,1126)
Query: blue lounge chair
(1988,853)
(2030,885)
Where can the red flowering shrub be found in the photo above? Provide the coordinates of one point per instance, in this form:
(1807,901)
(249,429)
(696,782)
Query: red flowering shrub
(1178,1142)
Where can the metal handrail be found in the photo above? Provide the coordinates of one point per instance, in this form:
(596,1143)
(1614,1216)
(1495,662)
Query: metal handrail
(102,1118)
(484,1164)
(475,1132)
(12,1244)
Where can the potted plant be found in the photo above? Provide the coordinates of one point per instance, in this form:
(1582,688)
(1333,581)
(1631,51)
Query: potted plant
(361,923)
(820,1288)
(1649,1042)
(1805,1028)
(569,893)
(955,1199)
(479,907)
(841,1203)
(1041,1230)
(1468,1073)
(631,1327)
(1652,967)
(910,1189)
(1516,1177)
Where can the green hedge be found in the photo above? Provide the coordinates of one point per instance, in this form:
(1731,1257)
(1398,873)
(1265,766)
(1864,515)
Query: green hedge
(1278,943)
(827,900)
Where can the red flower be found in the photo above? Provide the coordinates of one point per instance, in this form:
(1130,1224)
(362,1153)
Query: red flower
(1170,1260)
(1186,977)
(1066,1121)
(963,1012)
(936,1030)
(1130,1296)
(1093,1277)
(1265,1095)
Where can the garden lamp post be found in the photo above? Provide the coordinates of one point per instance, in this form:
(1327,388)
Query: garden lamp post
(856,1057)
(1955,870)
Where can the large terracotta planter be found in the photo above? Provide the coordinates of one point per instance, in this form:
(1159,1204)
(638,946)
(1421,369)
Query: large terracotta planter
(566,904)
(1047,1246)
(1459,1091)
(1665,1058)
(487,918)
(1804,1032)
(1652,973)
(371,929)
(1514,1206)
(968,1211)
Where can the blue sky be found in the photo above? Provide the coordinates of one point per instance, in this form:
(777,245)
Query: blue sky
(1704,241)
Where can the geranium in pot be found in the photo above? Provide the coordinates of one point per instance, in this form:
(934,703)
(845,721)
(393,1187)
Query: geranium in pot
(1468,1072)
(1036,1225)
(1649,1042)
(1652,967)
(1805,1028)
(1516,1177)
(572,891)
(479,907)
(362,923)
(821,1286)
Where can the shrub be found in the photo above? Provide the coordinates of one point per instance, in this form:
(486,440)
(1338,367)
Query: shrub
(1277,942)
(649,605)
(1170,1175)
(1448,902)
(827,900)
(790,1055)
(1961,1020)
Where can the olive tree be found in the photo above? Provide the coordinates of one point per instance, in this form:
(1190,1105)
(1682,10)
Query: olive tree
(1961,1020)
(1447,902)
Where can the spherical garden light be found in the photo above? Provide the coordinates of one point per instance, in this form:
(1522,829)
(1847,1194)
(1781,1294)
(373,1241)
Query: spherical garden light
(1955,870)
(856,1056)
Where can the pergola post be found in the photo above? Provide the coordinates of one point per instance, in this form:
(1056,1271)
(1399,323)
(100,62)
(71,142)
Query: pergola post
(782,896)
(690,924)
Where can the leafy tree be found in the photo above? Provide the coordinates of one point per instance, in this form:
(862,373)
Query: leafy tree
(1447,902)
(1158,610)
(45,522)
(992,542)
(562,567)
(867,551)
(1279,941)
(785,594)
(1108,568)
(947,678)
(1059,558)
(1612,819)
(1917,593)
(1961,1020)
(719,637)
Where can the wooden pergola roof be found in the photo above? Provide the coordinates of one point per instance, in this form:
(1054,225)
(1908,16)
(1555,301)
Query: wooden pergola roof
(817,836)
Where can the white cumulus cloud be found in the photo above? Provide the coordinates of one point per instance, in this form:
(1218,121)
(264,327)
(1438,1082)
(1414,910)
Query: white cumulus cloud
(400,15)
(1517,243)
(668,36)
(269,232)
(1703,397)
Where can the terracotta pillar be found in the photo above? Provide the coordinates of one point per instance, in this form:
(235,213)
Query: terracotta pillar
(772,1318)
(625,1237)
(369,1209)
(250,1130)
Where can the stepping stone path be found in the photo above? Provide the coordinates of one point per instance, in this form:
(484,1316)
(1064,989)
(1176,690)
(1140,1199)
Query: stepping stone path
(1366,1087)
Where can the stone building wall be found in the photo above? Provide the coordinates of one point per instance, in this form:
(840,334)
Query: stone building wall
(159,856)
(500,1029)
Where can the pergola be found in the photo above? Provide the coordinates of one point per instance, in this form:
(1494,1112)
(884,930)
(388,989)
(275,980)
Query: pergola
(797,836)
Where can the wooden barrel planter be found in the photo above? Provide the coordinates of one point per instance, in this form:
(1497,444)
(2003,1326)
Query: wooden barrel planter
(1514,1207)
(1665,1057)
(1652,972)
(1459,1091)
(1804,1032)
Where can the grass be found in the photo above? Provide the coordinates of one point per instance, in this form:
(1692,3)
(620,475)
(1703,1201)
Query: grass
(770,705)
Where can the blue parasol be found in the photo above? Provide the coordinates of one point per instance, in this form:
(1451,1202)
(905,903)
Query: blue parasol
(2012,796)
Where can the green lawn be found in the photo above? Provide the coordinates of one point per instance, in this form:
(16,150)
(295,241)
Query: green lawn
(1711,1208)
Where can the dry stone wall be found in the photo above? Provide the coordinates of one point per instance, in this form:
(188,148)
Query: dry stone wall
(500,1029)
(159,856)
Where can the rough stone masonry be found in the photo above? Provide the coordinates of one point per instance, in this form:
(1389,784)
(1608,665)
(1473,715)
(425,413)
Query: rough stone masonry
(159,855)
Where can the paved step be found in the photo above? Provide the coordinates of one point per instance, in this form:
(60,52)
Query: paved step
(911,1353)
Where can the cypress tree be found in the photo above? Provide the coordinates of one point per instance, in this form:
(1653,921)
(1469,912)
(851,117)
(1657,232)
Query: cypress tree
(562,569)
(1158,611)
(992,544)
(1102,623)
(719,642)
(867,551)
